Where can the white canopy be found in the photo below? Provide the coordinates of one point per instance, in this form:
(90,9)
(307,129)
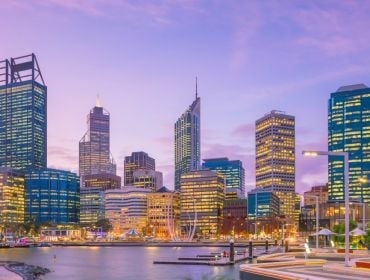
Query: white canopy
(357,232)
(326,232)
(132,232)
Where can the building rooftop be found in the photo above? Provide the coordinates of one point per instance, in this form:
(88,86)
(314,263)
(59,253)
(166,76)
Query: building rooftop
(352,87)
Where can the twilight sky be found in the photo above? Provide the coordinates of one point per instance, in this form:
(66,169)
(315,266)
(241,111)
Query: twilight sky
(141,57)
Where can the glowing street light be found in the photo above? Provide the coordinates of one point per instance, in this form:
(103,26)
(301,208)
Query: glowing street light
(346,193)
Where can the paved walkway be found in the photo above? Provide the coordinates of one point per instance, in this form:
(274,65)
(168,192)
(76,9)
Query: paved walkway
(8,275)
(316,271)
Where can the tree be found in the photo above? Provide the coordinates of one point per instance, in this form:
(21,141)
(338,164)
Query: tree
(105,224)
(340,229)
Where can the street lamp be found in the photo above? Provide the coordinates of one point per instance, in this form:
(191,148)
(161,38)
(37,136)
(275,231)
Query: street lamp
(317,218)
(346,193)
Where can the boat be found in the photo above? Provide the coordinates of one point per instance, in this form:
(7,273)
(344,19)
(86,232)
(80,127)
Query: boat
(44,244)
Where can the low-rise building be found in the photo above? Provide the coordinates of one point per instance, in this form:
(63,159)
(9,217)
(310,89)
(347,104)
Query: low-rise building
(11,196)
(235,214)
(163,213)
(52,196)
(91,205)
(126,208)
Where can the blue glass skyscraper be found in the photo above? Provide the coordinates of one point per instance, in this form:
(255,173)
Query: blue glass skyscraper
(233,172)
(349,131)
(23,120)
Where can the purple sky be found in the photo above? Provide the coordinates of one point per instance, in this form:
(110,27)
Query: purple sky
(141,57)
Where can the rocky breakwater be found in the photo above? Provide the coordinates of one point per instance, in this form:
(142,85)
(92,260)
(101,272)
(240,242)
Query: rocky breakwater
(26,271)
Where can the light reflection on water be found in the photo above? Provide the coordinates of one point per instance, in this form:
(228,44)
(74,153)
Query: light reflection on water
(79,263)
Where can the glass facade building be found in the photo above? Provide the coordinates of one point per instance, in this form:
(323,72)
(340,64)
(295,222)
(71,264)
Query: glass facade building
(94,147)
(187,141)
(263,204)
(23,119)
(11,196)
(349,131)
(137,160)
(91,205)
(202,198)
(52,196)
(233,172)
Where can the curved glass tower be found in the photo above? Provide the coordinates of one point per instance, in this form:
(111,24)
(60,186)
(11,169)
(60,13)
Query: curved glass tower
(187,141)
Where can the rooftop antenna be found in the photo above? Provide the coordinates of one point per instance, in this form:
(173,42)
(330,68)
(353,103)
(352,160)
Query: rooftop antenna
(196,87)
(97,101)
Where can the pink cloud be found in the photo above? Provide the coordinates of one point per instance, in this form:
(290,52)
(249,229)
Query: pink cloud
(62,157)
(244,130)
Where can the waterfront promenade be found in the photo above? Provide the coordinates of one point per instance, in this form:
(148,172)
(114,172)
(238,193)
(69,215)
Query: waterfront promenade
(299,266)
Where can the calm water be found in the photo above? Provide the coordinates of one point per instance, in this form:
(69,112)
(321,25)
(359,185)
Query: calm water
(118,263)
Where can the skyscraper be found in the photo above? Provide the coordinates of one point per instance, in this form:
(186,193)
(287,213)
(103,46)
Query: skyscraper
(94,147)
(275,159)
(349,131)
(187,141)
(233,172)
(137,160)
(23,120)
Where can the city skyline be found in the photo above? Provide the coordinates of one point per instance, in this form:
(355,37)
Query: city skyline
(300,87)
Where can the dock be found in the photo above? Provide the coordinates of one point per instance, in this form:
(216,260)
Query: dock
(213,259)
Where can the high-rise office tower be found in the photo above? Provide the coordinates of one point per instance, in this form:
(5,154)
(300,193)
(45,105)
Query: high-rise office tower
(349,131)
(275,159)
(137,160)
(94,147)
(233,172)
(23,120)
(202,199)
(187,141)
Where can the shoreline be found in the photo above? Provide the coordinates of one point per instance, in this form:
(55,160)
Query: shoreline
(157,244)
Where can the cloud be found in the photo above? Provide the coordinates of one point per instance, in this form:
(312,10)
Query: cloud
(243,130)
(310,171)
(162,12)
(62,157)
(338,28)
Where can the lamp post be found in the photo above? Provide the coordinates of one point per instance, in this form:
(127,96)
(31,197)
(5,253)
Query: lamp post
(317,218)
(346,193)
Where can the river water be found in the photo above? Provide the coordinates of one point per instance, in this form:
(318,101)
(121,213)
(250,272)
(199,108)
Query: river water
(136,263)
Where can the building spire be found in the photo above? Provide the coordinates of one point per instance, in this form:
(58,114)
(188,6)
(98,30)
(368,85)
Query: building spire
(196,87)
(97,104)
